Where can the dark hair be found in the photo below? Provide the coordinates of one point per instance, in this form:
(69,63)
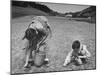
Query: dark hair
(76,44)
(33,37)
(30,34)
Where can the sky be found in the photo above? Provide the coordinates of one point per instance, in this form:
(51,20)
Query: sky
(63,8)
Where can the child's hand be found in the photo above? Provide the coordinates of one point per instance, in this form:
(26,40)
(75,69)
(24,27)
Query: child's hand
(75,56)
(64,65)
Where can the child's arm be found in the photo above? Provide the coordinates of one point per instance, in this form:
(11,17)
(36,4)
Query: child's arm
(86,54)
(50,32)
(39,43)
(68,59)
(48,27)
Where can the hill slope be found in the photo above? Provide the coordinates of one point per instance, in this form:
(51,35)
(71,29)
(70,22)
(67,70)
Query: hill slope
(88,12)
(21,11)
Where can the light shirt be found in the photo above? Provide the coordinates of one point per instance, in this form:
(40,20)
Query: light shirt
(82,52)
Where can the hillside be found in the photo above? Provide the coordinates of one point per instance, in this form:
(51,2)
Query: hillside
(23,8)
(20,11)
(88,12)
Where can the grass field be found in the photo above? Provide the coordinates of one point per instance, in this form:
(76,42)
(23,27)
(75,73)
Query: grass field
(64,32)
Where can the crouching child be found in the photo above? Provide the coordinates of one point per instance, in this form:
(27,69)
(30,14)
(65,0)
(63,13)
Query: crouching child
(79,54)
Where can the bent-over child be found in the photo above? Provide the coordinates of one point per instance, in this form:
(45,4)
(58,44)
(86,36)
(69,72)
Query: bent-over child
(36,36)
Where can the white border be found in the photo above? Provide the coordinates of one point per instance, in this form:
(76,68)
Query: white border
(5,37)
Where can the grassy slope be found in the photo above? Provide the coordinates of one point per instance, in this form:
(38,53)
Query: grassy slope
(64,32)
(21,11)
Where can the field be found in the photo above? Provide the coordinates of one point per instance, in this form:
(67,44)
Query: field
(64,33)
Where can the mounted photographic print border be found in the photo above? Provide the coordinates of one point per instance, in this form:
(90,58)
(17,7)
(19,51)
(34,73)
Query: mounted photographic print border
(69,24)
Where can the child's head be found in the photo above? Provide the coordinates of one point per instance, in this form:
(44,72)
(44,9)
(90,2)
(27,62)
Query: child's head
(76,45)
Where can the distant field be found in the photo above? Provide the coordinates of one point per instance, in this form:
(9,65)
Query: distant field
(92,20)
(64,32)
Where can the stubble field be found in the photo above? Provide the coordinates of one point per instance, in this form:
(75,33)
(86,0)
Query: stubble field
(64,32)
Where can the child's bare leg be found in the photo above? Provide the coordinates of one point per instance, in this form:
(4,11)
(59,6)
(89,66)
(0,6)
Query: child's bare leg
(45,50)
(33,55)
(26,53)
(30,57)
(27,58)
